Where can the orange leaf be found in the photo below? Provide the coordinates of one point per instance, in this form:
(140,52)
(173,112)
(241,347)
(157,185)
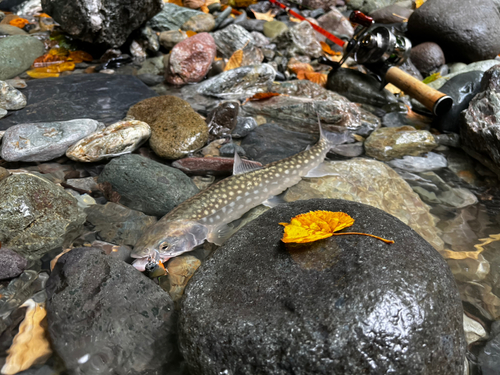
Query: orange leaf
(204,9)
(264,16)
(235,60)
(262,96)
(296,66)
(317,225)
(326,49)
(19,22)
(44,15)
(419,3)
(293,19)
(319,78)
(79,56)
(35,74)
(190,33)
(176,2)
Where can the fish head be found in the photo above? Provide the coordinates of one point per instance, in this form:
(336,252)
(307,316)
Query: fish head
(166,240)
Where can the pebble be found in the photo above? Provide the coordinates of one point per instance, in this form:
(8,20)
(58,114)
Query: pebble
(17,53)
(190,60)
(118,139)
(229,149)
(222,120)
(231,39)
(429,162)
(171,17)
(147,186)
(4,173)
(335,22)
(11,30)
(176,129)
(274,28)
(300,40)
(199,23)
(10,98)
(391,14)
(244,126)
(44,141)
(215,166)
(170,38)
(391,143)
(11,264)
(427,57)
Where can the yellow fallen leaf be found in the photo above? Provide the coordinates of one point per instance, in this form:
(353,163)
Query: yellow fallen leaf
(264,16)
(393,89)
(432,78)
(419,3)
(403,19)
(204,9)
(176,2)
(235,60)
(326,49)
(30,346)
(293,19)
(317,225)
(190,33)
(319,78)
(296,66)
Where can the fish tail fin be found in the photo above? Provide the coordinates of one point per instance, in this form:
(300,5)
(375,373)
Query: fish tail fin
(334,138)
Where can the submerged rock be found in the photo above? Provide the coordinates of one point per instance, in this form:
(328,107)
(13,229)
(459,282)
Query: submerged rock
(215,166)
(324,307)
(190,60)
(120,138)
(176,129)
(108,21)
(374,183)
(244,126)
(222,120)
(10,98)
(231,39)
(391,143)
(88,294)
(300,40)
(37,216)
(146,185)
(44,141)
(17,53)
(428,162)
(172,17)
(11,264)
(101,97)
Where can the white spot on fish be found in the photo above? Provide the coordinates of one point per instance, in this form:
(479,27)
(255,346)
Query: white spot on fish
(287,171)
(248,200)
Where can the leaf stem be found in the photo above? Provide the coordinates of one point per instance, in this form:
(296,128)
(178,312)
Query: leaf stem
(365,234)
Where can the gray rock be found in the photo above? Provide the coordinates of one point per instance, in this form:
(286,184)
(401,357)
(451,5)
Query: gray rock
(274,28)
(462,88)
(10,98)
(481,66)
(199,23)
(300,40)
(17,53)
(391,14)
(37,216)
(427,57)
(350,150)
(231,39)
(153,65)
(489,357)
(428,162)
(11,30)
(244,126)
(170,38)
(466,31)
(147,186)
(67,98)
(368,6)
(105,317)
(44,141)
(172,17)
(324,307)
(4,173)
(260,40)
(229,149)
(222,120)
(151,79)
(108,21)
(222,17)
(359,87)
(270,142)
(3,113)
(480,129)
(118,224)
(336,23)
(250,24)
(11,264)
(411,69)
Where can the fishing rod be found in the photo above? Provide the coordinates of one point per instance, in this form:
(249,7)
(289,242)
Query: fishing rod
(381,51)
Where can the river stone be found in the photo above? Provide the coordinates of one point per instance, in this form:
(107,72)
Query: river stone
(37,216)
(244,126)
(176,129)
(480,129)
(107,21)
(118,139)
(231,39)
(10,98)
(222,120)
(105,317)
(462,88)
(376,184)
(101,97)
(118,224)
(146,185)
(359,87)
(44,141)
(368,6)
(391,14)
(335,22)
(391,143)
(191,59)
(427,57)
(11,30)
(172,17)
(346,305)
(11,264)
(274,28)
(199,23)
(170,38)
(17,53)
(489,357)
(481,66)
(270,142)
(466,31)
(300,40)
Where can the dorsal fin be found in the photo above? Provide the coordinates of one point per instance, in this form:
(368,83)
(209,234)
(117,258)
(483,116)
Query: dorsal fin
(243,166)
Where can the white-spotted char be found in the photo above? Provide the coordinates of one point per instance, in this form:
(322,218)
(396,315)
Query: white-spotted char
(205,216)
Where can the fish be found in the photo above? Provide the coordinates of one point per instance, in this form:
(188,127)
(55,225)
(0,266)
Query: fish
(206,215)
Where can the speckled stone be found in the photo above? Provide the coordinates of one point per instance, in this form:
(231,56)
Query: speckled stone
(37,216)
(176,129)
(343,305)
(376,184)
(11,264)
(10,98)
(199,23)
(4,173)
(44,141)
(17,53)
(391,143)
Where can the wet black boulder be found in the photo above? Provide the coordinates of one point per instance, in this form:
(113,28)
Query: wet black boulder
(344,305)
(105,317)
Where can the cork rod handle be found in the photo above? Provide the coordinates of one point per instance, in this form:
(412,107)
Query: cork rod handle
(432,99)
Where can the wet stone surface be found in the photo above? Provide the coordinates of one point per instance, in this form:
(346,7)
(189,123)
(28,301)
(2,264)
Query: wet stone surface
(248,318)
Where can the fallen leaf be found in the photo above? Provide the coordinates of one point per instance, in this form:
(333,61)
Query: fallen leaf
(34,74)
(261,96)
(193,4)
(56,258)
(190,33)
(319,78)
(210,2)
(432,78)
(317,225)
(326,49)
(204,9)
(264,16)
(296,66)
(30,346)
(19,22)
(176,2)
(44,15)
(393,89)
(293,19)
(419,3)
(403,19)
(235,60)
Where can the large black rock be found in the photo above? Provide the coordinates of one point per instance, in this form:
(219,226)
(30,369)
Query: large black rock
(466,30)
(104,21)
(100,97)
(105,317)
(344,305)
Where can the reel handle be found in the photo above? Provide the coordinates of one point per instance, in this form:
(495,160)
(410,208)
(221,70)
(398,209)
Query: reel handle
(434,100)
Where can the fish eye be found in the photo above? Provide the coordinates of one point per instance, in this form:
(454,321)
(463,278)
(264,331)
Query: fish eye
(164,245)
